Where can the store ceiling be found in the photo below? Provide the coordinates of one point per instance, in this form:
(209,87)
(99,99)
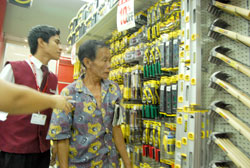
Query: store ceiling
(58,13)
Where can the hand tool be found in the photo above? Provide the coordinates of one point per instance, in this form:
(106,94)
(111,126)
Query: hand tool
(146,64)
(218,80)
(217,29)
(220,164)
(217,6)
(152,62)
(217,56)
(239,158)
(221,108)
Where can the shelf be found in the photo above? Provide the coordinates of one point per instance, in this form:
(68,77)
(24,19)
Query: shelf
(107,24)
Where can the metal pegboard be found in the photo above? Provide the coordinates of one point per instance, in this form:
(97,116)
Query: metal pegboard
(240,53)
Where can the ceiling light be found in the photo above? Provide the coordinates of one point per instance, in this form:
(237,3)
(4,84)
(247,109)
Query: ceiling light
(87,1)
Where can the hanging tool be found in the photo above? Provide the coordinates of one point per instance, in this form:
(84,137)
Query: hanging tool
(145,138)
(239,158)
(157,141)
(221,108)
(169,52)
(218,28)
(163,95)
(174,93)
(149,99)
(218,80)
(220,164)
(152,62)
(127,84)
(152,141)
(169,96)
(145,100)
(157,61)
(152,100)
(156,85)
(146,64)
(217,56)
(176,45)
(216,6)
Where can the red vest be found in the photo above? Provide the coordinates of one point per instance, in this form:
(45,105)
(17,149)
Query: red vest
(17,134)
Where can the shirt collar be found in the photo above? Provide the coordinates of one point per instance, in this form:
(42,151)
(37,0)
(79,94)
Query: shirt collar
(36,62)
(80,87)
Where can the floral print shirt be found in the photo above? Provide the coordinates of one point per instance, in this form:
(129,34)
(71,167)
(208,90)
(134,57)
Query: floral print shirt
(88,128)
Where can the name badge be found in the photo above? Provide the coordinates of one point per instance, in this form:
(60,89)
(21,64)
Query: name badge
(3,116)
(38,119)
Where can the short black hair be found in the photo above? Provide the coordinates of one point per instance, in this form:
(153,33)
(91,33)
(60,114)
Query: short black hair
(89,49)
(40,31)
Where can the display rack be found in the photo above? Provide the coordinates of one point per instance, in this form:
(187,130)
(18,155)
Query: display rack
(105,26)
(192,127)
(238,52)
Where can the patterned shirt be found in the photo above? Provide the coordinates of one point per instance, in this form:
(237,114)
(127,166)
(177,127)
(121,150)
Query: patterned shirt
(88,128)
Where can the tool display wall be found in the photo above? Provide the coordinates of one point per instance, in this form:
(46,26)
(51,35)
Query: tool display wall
(239,80)
(167,77)
(145,65)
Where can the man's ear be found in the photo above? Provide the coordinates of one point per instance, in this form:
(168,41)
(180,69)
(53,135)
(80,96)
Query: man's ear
(40,42)
(87,62)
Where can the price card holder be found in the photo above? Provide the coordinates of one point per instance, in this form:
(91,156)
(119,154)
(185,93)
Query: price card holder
(125,15)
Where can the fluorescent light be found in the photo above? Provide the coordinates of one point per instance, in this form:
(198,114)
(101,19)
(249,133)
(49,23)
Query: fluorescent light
(87,1)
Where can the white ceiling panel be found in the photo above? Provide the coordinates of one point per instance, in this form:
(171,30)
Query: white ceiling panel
(18,21)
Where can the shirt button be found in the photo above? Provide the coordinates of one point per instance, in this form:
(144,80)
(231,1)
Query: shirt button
(85,159)
(107,130)
(53,131)
(80,118)
(84,140)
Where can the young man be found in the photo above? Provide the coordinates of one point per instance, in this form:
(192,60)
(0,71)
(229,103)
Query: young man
(19,99)
(86,137)
(23,141)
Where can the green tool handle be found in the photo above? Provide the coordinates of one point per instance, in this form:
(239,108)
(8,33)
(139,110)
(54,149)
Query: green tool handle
(152,110)
(150,70)
(153,70)
(158,65)
(156,110)
(147,111)
(156,69)
(143,111)
(145,70)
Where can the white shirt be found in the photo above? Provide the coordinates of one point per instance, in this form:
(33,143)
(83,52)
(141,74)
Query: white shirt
(8,75)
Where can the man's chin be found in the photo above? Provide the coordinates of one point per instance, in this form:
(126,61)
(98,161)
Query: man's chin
(105,76)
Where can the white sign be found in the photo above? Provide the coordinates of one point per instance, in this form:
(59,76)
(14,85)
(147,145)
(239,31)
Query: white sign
(125,15)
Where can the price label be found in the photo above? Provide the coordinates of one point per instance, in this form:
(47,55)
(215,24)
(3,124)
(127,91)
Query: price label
(125,15)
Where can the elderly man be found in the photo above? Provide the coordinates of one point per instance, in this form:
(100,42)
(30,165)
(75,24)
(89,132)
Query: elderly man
(86,137)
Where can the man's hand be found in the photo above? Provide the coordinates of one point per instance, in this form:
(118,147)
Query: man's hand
(128,164)
(61,102)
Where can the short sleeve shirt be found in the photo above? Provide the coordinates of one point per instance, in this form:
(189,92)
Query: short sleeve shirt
(88,128)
